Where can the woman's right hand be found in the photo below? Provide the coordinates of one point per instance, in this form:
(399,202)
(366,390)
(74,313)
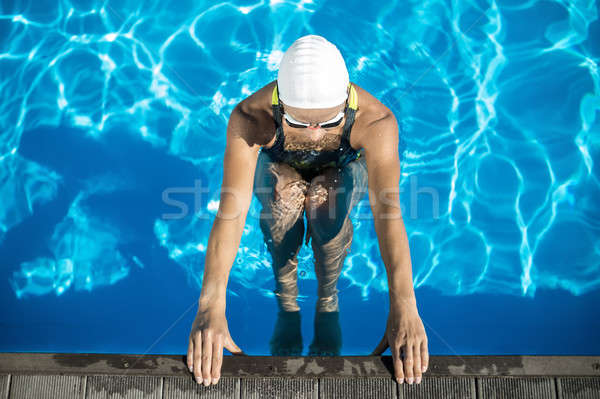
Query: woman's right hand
(209,335)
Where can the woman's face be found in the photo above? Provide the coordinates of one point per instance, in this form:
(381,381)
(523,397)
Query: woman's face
(314,116)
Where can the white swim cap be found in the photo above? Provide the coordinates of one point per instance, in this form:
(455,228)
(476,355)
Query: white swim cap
(312,74)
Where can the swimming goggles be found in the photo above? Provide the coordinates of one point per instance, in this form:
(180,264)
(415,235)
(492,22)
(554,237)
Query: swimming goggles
(333,122)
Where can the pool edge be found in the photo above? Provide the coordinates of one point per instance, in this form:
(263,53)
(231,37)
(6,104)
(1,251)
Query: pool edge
(298,366)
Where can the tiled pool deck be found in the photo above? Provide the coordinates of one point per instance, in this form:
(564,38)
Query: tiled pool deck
(60,375)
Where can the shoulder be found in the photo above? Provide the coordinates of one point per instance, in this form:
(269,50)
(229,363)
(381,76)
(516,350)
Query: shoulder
(374,123)
(259,102)
(257,113)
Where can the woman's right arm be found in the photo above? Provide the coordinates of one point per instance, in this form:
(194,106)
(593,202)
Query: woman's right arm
(210,332)
(239,165)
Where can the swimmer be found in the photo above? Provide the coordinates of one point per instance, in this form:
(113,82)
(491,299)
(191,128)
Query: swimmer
(310,143)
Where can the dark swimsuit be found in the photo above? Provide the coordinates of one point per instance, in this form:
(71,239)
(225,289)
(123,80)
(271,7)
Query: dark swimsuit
(310,163)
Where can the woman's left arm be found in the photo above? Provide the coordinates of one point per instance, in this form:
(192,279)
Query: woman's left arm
(405,333)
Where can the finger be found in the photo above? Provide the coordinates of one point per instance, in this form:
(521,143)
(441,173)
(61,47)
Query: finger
(398,368)
(381,347)
(207,342)
(217,359)
(198,357)
(409,362)
(232,347)
(190,355)
(424,355)
(417,359)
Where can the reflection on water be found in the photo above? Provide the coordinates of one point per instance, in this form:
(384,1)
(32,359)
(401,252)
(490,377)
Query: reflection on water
(105,105)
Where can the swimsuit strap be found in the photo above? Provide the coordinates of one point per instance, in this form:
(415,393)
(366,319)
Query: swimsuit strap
(350,113)
(348,125)
(277,117)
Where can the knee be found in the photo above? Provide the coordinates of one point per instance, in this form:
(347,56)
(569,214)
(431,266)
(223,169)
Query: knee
(317,198)
(291,195)
(332,239)
(320,195)
(325,229)
(321,202)
(284,211)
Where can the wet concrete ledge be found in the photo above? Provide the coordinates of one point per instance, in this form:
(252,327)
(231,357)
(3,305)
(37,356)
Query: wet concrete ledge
(274,366)
(68,375)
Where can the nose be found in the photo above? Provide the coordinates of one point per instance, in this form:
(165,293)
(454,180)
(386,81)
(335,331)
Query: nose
(313,127)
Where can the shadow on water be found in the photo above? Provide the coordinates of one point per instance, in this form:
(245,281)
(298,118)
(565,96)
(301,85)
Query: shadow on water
(119,180)
(124,176)
(287,335)
(327,340)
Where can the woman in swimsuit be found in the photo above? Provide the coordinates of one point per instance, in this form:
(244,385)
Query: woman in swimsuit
(303,175)
(298,157)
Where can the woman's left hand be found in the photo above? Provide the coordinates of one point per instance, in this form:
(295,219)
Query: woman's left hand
(405,335)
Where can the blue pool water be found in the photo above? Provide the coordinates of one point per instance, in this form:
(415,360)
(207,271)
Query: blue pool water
(107,105)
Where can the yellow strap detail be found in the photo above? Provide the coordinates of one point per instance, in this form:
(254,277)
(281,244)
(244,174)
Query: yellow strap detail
(275,97)
(353,100)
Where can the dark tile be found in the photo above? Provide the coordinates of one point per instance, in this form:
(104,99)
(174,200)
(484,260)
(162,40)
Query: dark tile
(357,388)
(515,387)
(4,386)
(439,387)
(46,386)
(123,387)
(578,387)
(187,387)
(279,387)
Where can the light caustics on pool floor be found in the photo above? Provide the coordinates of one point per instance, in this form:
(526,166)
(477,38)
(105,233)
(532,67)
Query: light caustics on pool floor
(497,103)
